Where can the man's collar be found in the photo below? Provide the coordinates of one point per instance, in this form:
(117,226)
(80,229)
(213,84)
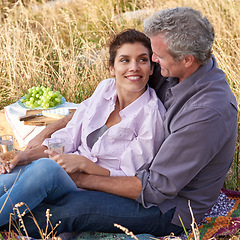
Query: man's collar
(189,81)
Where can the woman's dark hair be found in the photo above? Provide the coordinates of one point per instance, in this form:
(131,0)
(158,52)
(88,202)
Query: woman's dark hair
(127,36)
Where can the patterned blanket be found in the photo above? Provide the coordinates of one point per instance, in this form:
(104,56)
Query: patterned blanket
(223,219)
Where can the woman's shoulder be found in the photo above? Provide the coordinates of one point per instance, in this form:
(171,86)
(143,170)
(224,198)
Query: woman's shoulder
(154,101)
(106,84)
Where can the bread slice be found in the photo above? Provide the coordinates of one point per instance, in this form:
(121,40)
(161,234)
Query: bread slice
(56,113)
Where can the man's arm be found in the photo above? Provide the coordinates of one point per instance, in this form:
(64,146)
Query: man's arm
(129,187)
(23,157)
(49,130)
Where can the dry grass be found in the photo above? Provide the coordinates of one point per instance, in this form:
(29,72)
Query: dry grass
(62,45)
(51,44)
(17,227)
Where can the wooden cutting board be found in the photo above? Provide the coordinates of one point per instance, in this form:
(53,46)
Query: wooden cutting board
(40,121)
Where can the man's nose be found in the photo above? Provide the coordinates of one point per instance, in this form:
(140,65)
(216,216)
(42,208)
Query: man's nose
(155,58)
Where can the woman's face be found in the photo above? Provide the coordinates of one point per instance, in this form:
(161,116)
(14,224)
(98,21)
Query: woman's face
(131,68)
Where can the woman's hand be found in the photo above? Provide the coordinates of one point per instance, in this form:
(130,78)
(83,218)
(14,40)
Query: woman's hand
(72,163)
(69,162)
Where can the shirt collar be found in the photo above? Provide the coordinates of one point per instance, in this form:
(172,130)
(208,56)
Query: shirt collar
(193,78)
(133,108)
(111,95)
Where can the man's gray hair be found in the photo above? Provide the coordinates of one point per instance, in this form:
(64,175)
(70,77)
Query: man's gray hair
(185,31)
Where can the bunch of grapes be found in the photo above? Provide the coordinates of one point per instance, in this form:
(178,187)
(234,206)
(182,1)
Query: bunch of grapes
(42,97)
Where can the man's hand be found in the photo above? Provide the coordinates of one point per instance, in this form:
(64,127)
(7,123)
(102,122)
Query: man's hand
(36,141)
(6,167)
(49,130)
(23,158)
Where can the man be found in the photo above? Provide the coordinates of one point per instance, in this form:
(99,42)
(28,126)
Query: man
(190,167)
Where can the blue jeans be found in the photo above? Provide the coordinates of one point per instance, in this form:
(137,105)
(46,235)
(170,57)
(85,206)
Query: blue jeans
(97,211)
(43,179)
(45,185)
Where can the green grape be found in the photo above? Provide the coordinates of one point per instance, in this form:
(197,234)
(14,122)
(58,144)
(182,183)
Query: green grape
(39,102)
(45,98)
(58,100)
(41,96)
(27,95)
(36,104)
(52,104)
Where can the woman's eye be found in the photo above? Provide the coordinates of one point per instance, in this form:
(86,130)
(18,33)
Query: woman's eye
(143,60)
(124,60)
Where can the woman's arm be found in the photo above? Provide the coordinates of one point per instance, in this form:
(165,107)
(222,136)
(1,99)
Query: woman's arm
(23,157)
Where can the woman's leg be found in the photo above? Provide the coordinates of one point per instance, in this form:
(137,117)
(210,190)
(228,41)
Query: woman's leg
(8,179)
(42,179)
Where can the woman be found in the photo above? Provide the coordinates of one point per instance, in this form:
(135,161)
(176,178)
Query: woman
(114,132)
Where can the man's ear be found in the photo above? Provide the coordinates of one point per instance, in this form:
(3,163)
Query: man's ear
(189,60)
(111,69)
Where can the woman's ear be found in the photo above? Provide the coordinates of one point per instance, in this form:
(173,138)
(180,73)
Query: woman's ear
(111,69)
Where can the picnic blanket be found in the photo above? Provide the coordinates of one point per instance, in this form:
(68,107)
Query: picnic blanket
(223,219)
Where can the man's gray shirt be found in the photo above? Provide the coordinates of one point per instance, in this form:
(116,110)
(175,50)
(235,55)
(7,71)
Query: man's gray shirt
(200,136)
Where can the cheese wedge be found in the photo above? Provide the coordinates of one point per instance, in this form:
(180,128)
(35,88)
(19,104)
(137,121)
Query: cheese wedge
(56,113)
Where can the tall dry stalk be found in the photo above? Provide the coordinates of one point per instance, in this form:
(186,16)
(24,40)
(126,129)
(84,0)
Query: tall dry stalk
(62,44)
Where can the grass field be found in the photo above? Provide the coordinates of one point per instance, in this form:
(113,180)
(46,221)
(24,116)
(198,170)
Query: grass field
(62,45)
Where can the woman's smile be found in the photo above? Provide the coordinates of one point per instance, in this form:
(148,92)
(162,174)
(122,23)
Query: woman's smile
(134,78)
(132,67)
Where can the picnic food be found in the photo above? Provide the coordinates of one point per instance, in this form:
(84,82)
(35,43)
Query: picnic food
(42,96)
(56,113)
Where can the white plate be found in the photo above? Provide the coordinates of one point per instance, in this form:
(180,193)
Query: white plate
(57,106)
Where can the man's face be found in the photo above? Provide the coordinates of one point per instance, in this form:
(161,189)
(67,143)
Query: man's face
(169,66)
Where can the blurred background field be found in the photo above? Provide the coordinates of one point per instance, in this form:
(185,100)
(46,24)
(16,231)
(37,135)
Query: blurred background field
(62,45)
